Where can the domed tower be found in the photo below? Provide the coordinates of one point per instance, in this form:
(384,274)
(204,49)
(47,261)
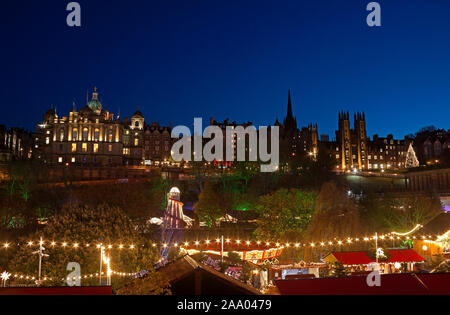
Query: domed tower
(137,121)
(94,104)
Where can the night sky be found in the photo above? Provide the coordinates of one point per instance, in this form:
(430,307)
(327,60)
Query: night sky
(236,59)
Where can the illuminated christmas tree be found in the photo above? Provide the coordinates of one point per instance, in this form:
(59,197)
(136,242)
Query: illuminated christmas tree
(411,159)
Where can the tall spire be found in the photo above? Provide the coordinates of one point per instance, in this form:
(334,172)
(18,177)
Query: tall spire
(289,110)
(290,123)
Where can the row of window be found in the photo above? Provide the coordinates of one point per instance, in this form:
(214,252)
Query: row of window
(83,159)
(84,147)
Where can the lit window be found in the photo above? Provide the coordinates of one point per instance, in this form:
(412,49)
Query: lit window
(110,148)
(84,147)
(60,159)
(47,140)
(74,147)
(85,133)
(136,142)
(95,147)
(73,160)
(96,134)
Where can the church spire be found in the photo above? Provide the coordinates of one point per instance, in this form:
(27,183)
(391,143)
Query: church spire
(290,114)
(290,123)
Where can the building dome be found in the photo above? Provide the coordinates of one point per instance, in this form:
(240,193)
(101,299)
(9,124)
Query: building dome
(94,104)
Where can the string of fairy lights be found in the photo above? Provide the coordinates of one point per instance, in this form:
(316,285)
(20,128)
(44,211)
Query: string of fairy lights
(199,244)
(231,242)
(24,277)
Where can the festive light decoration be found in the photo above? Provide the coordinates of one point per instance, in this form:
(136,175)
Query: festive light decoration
(334,241)
(380,253)
(411,158)
(418,226)
(20,276)
(392,236)
(5,276)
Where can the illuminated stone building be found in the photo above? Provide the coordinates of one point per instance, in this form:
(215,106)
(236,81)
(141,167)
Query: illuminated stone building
(351,147)
(157,144)
(95,138)
(133,139)
(90,137)
(387,153)
(355,151)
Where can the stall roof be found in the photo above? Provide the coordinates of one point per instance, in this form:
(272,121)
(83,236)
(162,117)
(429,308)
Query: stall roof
(403,255)
(361,258)
(349,258)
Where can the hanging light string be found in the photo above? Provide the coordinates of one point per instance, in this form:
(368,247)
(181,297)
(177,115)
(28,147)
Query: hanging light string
(68,245)
(393,236)
(22,276)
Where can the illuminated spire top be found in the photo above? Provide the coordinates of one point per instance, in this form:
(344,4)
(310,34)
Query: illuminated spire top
(95,94)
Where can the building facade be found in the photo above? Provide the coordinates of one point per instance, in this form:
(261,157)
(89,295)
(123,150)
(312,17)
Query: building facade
(430,144)
(94,137)
(157,145)
(15,144)
(355,151)
(387,153)
(351,147)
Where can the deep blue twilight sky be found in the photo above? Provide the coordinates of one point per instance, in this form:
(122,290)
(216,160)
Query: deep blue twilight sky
(180,59)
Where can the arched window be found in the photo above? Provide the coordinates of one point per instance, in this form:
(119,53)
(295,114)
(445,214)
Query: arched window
(96,134)
(75,135)
(85,134)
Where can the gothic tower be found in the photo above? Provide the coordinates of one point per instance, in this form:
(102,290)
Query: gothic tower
(361,138)
(344,140)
